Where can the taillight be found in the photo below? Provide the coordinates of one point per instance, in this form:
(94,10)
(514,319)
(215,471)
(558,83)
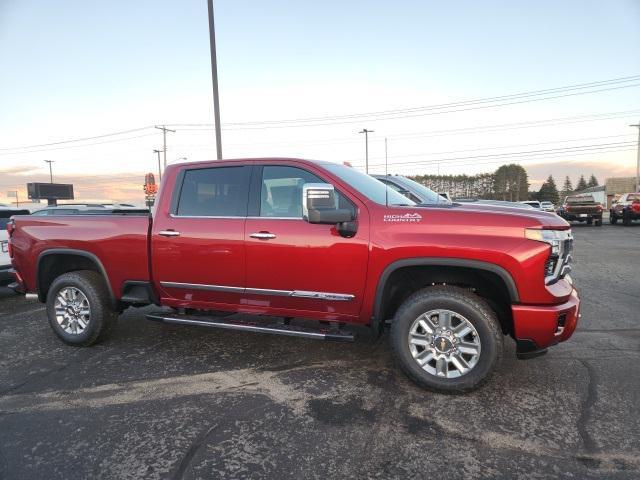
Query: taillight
(566,208)
(11,226)
(599,208)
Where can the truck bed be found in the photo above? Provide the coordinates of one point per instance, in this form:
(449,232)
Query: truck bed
(121,241)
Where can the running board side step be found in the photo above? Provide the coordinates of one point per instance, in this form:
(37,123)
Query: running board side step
(273,328)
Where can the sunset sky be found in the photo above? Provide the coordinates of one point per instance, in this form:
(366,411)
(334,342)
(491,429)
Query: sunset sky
(76,69)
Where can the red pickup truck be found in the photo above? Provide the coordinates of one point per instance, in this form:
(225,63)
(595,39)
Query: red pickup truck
(297,239)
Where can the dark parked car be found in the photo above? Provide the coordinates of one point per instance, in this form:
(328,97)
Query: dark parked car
(581,208)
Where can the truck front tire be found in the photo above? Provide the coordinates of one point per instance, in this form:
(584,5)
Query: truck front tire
(78,308)
(446,339)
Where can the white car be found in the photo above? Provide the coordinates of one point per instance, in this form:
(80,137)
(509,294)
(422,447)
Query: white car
(5,261)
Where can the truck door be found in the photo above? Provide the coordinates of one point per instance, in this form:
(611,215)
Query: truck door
(294,266)
(197,245)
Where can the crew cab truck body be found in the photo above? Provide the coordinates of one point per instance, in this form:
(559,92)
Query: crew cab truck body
(581,208)
(300,239)
(626,209)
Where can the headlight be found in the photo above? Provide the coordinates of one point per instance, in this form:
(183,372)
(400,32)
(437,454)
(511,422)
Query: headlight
(561,244)
(555,238)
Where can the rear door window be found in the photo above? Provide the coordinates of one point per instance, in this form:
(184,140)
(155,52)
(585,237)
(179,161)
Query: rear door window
(214,192)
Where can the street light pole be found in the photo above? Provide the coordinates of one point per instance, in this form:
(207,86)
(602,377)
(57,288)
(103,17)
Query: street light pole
(50,170)
(214,78)
(159,168)
(366,148)
(638,159)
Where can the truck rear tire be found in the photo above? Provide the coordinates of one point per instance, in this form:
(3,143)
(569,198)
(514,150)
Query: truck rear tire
(613,219)
(598,222)
(79,309)
(446,339)
(626,218)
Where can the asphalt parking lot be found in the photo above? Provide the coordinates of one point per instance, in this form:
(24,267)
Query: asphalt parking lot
(160,401)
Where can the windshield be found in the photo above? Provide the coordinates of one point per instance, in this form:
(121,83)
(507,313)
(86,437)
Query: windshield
(428,195)
(368,186)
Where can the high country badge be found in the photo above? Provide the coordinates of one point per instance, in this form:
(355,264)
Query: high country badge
(406,218)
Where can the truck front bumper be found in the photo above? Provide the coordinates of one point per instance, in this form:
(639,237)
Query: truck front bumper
(538,327)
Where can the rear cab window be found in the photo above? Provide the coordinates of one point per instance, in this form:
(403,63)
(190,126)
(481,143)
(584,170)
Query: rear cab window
(214,192)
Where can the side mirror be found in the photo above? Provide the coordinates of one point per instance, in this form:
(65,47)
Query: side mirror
(319,205)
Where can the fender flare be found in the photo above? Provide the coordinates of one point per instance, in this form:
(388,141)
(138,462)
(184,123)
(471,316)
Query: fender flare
(79,253)
(506,277)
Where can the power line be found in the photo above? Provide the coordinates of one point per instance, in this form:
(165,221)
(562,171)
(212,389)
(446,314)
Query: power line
(511,146)
(517,161)
(529,153)
(343,122)
(456,131)
(613,81)
(78,146)
(122,132)
(186,126)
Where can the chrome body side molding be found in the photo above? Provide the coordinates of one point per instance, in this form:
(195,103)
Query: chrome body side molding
(335,297)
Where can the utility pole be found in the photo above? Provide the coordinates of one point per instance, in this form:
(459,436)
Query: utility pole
(159,169)
(50,170)
(214,78)
(366,148)
(638,159)
(164,140)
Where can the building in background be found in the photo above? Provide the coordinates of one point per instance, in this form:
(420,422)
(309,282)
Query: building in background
(616,186)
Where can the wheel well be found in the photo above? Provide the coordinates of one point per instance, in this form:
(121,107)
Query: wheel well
(51,266)
(404,281)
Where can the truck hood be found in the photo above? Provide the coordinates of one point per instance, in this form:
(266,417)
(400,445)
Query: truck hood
(491,214)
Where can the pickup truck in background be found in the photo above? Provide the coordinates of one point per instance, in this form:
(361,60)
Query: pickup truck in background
(581,208)
(297,239)
(626,209)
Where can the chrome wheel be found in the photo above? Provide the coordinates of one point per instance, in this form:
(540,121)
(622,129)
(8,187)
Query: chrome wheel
(444,343)
(73,311)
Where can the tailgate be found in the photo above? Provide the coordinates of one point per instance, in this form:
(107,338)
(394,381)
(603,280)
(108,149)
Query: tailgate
(577,209)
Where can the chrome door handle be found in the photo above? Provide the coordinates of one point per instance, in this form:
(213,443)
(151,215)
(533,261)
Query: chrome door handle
(262,235)
(169,233)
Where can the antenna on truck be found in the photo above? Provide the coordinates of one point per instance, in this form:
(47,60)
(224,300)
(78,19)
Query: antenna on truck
(386,175)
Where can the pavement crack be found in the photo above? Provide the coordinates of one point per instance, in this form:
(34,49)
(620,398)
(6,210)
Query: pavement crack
(586,410)
(191,452)
(36,376)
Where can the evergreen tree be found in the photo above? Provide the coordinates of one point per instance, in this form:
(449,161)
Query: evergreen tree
(511,183)
(582,184)
(593,181)
(548,192)
(567,188)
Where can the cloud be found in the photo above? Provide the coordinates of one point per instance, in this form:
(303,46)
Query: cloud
(538,172)
(21,169)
